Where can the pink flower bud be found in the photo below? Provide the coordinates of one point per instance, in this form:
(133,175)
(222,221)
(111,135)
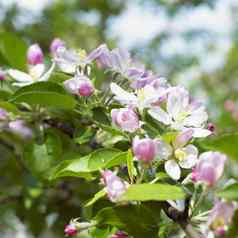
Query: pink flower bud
(20,128)
(119,234)
(2,75)
(80,85)
(35,55)
(70,230)
(126,119)
(220,231)
(183,138)
(211,127)
(56,44)
(86,89)
(144,149)
(209,168)
(115,186)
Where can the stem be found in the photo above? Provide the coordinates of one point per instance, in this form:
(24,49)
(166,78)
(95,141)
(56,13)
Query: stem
(190,231)
(139,180)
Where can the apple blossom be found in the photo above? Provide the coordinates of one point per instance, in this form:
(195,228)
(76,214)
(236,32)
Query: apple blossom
(144,149)
(55,45)
(79,85)
(209,168)
(70,230)
(2,75)
(220,216)
(115,187)
(126,119)
(182,114)
(19,127)
(37,73)
(35,55)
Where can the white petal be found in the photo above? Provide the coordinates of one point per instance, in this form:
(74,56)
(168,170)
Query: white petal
(200,133)
(178,204)
(172,169)
(46,75)
(20,76)
(22,84)
(36,71)
(177,103)
(188,162)
(164,150)
(123,96)
(191,150)
(197,118)
(160,115)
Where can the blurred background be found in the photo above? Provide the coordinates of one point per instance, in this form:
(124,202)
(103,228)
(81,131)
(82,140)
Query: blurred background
(190,42)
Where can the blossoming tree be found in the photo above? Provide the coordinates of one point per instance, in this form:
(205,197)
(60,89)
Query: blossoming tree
(147,145)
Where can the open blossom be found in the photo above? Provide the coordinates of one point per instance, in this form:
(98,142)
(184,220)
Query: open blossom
(69,60)
(19,127)
(182,114)
(55,45)
(209,168)
(142,98)
(220,216)
(79,85)
(115,187)
(35,55)
(178,155)
(126,119)
(37,73)
(144,149)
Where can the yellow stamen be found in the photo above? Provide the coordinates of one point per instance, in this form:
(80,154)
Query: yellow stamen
(180,154)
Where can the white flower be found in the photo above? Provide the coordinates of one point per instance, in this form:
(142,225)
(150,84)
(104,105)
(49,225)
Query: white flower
(185,157)
(36,73)
(142,98)
(182,114)
(68,60)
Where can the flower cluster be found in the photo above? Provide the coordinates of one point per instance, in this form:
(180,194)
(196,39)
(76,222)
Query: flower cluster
(138,101)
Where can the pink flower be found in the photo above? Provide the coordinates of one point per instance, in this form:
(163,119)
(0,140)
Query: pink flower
(211,127)
(35,55)
(20,128)
(2,75)
(119,234)
(144,149)
(126,119)
(220,216)
(56,44)
(70,230)
(209,168)
(115,186)
(80,85)
(183,138)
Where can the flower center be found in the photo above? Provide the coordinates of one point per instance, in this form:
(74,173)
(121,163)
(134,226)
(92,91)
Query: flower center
(218,222)
(180,154)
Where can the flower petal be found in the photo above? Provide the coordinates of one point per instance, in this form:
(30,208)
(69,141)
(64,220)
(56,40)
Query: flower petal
(37,70)
(172,169)
(123,96)
(164,150)
(20,76)
(197,118)
(46,75)
(200,133)
(160,115)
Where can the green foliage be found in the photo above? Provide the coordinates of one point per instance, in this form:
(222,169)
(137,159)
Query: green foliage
(226,143)
(156,192)
(230,192)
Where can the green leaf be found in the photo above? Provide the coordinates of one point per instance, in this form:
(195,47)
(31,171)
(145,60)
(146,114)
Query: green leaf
(96,197)
(82,166)
(40,87)
(149,192)
(40,158)
(233,229)
(4,95)
(119,159)
(47,99)
(13,50)
(226,143)
(130,166)
(9,107)
(230,192)
(139,221)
